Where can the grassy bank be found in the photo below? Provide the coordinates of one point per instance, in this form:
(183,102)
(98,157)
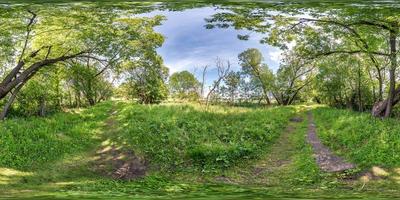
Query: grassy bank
(29,143)
(359,137)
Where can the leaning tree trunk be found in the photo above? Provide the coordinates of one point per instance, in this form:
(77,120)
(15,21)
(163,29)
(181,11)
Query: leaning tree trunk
(265,90)
(379,108)
(10,101)
(266,95)
(17,77)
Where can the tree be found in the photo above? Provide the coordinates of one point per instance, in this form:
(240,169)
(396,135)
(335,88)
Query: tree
(251,62)
(222,71)
(365,31)
(146,79)
(203,80)
(184,85)
(85,80)
(292,76)
(53,37)
(232,81)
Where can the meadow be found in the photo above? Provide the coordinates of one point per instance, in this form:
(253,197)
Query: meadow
(189,152)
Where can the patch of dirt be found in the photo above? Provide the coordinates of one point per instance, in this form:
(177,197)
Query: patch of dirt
(223,179)
(296,119)
(118,164)
(325,159)
(113,160)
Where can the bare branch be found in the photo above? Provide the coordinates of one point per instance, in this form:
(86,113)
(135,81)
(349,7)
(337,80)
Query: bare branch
(28,34)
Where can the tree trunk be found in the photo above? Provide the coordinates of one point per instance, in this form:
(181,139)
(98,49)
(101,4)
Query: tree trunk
(91,101)
(266,97)
(384,108)
(42,107)
(11,81)
(264,88)
(360,104)
(10,101)
(392,74)
(379,107)
(380,80)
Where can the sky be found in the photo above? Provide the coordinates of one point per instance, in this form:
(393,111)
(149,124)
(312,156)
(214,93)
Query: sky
(189,45)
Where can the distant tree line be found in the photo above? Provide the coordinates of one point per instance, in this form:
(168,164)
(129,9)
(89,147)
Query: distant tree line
(58,57)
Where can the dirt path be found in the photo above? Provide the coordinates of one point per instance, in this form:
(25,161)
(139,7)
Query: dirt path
(325,159)
(115,160)
(274,167)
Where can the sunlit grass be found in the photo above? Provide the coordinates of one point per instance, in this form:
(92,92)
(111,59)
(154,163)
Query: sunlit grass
(8,175)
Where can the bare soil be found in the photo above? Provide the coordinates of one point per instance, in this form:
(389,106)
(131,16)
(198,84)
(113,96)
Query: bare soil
(119,164)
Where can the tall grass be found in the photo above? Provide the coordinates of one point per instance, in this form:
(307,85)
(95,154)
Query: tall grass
(174,136)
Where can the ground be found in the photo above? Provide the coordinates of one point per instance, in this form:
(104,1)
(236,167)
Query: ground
(114,163)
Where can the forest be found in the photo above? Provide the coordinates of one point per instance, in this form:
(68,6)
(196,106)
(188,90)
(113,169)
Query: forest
(199,99)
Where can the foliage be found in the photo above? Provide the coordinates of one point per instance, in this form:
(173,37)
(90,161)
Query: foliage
(53,37)
(146,77)
(346,85)
(85,80)
(318,31)
(293,75)
(184,85)
(251,62)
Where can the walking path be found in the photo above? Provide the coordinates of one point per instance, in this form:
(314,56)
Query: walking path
(326,160)
(113,160)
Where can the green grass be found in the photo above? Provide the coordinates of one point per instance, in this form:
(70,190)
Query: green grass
(185,136)
(359,137)
(27,143)
(187,147)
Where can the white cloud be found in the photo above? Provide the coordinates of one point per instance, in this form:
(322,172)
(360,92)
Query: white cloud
(275,56)
(189,46)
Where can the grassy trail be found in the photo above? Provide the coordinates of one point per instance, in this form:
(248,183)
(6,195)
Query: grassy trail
(288,164)
(271,169)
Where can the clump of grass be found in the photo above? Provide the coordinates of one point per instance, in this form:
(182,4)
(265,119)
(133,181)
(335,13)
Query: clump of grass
(363,139)
(179,136)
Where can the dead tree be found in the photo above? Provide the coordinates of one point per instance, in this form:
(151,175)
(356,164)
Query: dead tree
(223,71)
(203,80)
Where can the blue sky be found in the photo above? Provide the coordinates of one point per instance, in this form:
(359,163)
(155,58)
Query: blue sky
(189,45)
